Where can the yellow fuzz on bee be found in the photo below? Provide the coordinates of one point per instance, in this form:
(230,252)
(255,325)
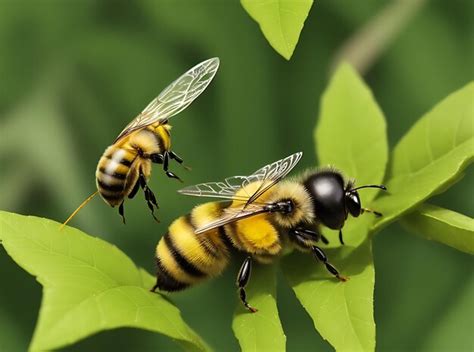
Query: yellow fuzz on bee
(303,208)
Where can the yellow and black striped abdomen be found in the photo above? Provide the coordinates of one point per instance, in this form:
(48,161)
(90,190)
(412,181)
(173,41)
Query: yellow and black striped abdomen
(184,258)
(116,174)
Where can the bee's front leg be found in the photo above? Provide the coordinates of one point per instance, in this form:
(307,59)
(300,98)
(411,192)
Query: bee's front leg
(180,160)
(156,158)
(175,156)
(320,255)
(309,234)
(303,238)
(166,159)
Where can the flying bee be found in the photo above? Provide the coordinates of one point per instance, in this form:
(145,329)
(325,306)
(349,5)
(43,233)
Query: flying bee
(259,217)
(125,165)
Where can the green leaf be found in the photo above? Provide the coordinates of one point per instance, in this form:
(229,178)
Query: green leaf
(351,136)
(442,225)
(88,284)
(431,155)
(260,331)
(342,312)
(281,21)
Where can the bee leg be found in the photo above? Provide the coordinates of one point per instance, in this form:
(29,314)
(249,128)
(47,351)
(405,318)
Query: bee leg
(121,212)
(156,158)
(309,235)
(242,280)
(134,190)
(176,157)
(149,196)
(166,158)
(324,239)
(320,255)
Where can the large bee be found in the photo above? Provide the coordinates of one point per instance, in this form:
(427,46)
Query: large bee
(260,217)
(125,166)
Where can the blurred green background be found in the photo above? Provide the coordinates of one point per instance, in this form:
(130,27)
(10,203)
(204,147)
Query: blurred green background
(74,73)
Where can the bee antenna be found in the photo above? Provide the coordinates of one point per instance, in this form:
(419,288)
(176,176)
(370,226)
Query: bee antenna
(370,186)
(78,208)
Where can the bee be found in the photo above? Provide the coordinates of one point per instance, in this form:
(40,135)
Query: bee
(126,165)
(261,215)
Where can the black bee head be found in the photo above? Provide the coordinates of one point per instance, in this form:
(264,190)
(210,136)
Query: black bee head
(332,199)
(328,196)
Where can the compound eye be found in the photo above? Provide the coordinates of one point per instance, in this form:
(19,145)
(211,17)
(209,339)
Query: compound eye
(353,203)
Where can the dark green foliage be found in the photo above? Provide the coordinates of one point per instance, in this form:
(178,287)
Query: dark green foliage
(73,74)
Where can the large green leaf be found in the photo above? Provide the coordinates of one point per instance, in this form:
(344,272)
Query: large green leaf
(442,225)
(431,155)
(88,284)
(351,136)
(351,132)
(260,331)
(342,311)
(281,21)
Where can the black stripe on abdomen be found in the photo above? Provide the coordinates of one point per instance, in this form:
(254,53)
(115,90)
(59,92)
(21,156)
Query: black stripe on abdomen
(225,239)
(206,243)
(165,281)
(110,187)
(117,175)
(182,262)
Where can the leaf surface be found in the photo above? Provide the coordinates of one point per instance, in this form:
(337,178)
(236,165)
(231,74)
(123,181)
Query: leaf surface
(431,156)
(260,331)
(351,136)
(281,21)
(442,225)
(342,312)
(88,284)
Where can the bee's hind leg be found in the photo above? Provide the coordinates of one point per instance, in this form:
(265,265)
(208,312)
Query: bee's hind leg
(149,196)
(242,280)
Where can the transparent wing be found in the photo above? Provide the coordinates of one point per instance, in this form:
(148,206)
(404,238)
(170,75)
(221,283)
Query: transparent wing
(223,189)
(273,173)
(268,175)
(231,215)
(176,97)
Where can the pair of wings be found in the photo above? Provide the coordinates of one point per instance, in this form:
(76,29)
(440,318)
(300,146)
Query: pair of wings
(268,176)
(176,97)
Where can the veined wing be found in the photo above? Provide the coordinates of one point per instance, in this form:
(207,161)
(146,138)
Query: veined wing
(268,175)
(273,173)
(233,214)
(176,97)
(223,189)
